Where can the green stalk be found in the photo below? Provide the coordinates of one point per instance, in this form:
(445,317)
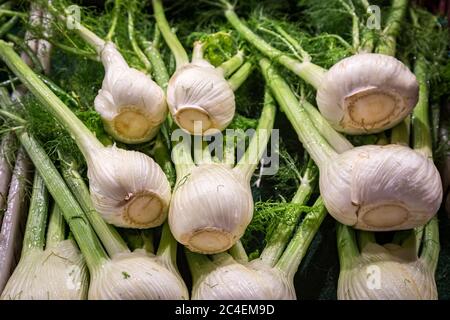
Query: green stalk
(401,132)
(86,238)
(258,144)
(79,52)
(84,138)
(280,237)
(199,265)
(317,147)
(421,122)
(238,252)
(159,68)
(7,12)
(56,228)
(162,157)
(393,26)
(239,77)
(167,248)
(110,238)
(311,73)
(232,64)
(4,29)
(171,39)
(115,17)
(431,246)
(37,65)
(334,138)
(181,155)
(347,248)
(147,240)
(297,248)
(37,217)
(364,238)
(291,40)
(137,50)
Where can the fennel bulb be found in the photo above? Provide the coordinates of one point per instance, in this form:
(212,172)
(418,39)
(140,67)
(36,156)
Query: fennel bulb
(131,105)
(198,92)
(389,272)
(127,187)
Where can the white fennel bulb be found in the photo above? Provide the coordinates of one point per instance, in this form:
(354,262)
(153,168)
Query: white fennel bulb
(135,276)
(198,93)
(57,273)
(199,97)
(128,188)
(387,272)
(131,104)
(367,93)
(210,208)
(381,188)
(228,279)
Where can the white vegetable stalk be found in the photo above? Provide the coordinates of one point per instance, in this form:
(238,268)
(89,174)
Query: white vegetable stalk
(131,105)
(156,276)
(365,93)
(212,203)
(269,277)
(198,92)
(375,188)
(54,273)
(127,187)
(398,273)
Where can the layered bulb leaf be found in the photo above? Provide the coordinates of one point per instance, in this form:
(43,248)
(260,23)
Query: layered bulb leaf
(388,272)
(198,92)
(381,188)
(136,276)
(210,209)
(56,273)
(231,280)
(367,93)
(131,104)
(128,188)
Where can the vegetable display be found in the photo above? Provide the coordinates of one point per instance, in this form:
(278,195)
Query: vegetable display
(298,151)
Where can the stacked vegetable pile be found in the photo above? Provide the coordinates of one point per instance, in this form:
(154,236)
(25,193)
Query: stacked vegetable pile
(119,148)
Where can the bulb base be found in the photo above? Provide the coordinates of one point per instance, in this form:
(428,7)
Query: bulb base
(194,119)
(209,240)
(384,216)
(144,210)
(131,126)
(373,109)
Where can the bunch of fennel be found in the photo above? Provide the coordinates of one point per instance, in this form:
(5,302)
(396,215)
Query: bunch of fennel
(116,273)
(198,95)
(404,269)
(372,187)
(361,94)
(271,276)
(117,189)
